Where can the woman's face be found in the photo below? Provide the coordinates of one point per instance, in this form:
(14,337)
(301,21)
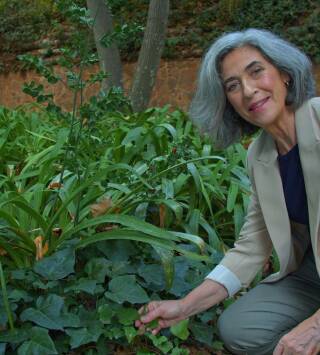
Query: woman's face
(254,87)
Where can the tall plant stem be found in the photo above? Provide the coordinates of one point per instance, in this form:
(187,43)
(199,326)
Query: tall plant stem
(65,158)
(5,297)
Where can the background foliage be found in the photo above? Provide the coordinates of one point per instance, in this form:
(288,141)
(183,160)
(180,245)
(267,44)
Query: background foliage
(193,25)
(79,285)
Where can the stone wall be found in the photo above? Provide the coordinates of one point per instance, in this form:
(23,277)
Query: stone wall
(175,85)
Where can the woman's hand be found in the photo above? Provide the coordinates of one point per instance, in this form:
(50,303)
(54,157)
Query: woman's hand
(167,313)
(304,339)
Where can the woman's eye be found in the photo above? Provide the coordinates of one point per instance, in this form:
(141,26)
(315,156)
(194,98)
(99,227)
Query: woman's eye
(232,87)
(257,70)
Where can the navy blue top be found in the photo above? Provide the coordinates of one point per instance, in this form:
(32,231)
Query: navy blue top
(293,186)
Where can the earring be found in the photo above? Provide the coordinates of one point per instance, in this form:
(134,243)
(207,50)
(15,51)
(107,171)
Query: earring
(286,83)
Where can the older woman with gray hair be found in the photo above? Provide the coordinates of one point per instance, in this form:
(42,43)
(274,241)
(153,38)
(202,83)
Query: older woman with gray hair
(249,81)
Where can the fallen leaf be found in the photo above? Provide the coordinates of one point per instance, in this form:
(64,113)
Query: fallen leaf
(100,208)
(55,185)
(41,249)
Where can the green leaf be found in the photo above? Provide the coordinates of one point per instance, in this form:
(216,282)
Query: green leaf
(105,313)
(238,217)
(232,196)
(127,316)
(202,332)
(161,342)
(84,335)
(152,274)
(14,336)
(40,343)
(195,174)
(180,329)
(56,266)
(47,313)
(85,285)
(125,288)
(167,188)
(127,221)
(166,257)
(130,333)
(97,268)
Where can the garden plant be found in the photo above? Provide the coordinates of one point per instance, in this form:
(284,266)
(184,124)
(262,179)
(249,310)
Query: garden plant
(103,209)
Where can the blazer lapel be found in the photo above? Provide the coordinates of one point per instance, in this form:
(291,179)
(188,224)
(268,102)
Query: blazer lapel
(308,136)
(270,192)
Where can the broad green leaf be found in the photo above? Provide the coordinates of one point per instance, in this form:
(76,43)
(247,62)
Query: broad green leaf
(202,332)
(40,343)
(180,329)
(47,313)
(14,336)
(152,274)
(127,221)
(97,268)
(85,285)
(105,313)
(166,257)
(56,266)
(170,129)
(195,174)
(140,237)
(161,342)
(127,316)
(126,288)
(167,188)
(194,221)
(134,135)
(83,335)
(232,196)
(130,333)
(238,217)
(175,207)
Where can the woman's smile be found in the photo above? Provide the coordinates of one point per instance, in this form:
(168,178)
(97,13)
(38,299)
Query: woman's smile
(258,106)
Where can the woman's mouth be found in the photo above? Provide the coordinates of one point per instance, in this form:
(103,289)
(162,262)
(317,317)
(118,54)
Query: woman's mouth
(256,106)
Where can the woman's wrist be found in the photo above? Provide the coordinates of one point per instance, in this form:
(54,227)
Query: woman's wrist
(206,295)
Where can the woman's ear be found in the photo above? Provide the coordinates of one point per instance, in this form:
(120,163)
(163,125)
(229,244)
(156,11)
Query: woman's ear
(285,78)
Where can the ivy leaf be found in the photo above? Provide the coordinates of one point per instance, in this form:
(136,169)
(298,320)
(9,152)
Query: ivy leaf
(130,333)
(162,343)
(14,336)
(97,268)
(180,330)
(84,335)
(127,316)
(85,285)
(125,288)
(105,313)
(153,274)
(47,313)
(202,332)
(40,343)
(57,266)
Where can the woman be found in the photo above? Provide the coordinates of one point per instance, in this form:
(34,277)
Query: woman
(254,80)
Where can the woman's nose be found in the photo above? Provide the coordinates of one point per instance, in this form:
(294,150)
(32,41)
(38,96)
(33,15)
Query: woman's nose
(248,88)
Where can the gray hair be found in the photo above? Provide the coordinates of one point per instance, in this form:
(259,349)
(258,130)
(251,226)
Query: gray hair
(210,109)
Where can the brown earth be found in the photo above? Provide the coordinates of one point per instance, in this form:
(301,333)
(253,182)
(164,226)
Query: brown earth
(175,84)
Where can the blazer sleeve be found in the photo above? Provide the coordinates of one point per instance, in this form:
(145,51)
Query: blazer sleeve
(254,246)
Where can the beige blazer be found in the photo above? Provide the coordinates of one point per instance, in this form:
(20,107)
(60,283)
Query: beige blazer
(267,223)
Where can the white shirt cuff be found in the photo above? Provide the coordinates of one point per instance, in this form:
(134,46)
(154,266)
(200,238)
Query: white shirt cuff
(225,277)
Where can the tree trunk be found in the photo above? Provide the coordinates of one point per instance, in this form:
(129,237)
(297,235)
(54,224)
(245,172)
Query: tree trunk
(150,54)
(109,58)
